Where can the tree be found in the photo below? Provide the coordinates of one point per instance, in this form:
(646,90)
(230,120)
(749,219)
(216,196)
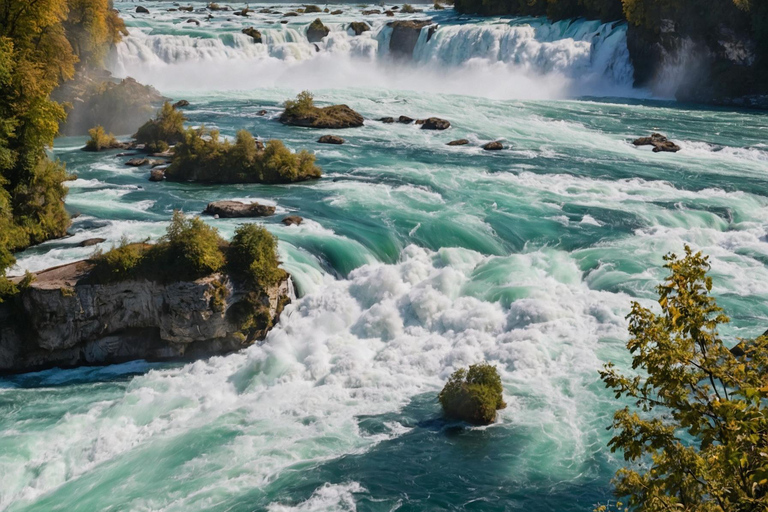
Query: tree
(696,429)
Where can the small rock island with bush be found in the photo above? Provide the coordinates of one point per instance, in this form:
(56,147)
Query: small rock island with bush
(473,395)
(190,295)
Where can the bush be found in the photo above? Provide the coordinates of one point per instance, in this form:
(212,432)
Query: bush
(473,396)
(100,140)
(252,256)
(302,106)
(203,157)
(118,264)
(408,9)
(167,127)
(190,249)
(695,427)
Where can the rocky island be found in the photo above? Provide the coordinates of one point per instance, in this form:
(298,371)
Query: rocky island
(191,295)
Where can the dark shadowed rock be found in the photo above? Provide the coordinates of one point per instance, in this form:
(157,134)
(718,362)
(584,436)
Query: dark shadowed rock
(309,9)
(261,112)
(659,142)
(337,12)
(193,21)
(458,142)
(358,27)
(236,209)
(292,220)
(405,34)
(157,175)
(405,119)
(434,123)
(290,14)
(181,104)
(330,139)
(142,10)
(387,120)
(370,12)
(317,31)
(493,146)
(255,34)
(91,242)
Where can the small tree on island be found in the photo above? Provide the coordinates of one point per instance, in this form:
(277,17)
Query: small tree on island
(696,431)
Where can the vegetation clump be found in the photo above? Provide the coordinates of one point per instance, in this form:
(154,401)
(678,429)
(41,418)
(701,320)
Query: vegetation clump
(203,157)
(167,128)
(190,249)
(303,112)
(409,9)
(473,395)
(252,256)
(695,430)
(100,140)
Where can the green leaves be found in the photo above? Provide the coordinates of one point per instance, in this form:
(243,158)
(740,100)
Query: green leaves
(697,429)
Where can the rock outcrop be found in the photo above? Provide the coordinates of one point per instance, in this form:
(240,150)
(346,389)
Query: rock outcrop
(358,27)
(317,31)
(236,209)
(659,142)
(292,220)
(405,35)
(330,139)
(434,123)
(333,116)
(493,146)
(61,320)
(97,99)
(458,142)
(255,34)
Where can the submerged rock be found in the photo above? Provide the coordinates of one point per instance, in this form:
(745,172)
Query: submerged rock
(493,146)
(137,162)
(330,139)
(142,10)
(317,31)
(157,175)
(659,142)
(387,120)
(181,104)
(63,320)
(434,123)
(236,209)
(337,12)
(405,120)
(370,12)
(458,142)
(292,220)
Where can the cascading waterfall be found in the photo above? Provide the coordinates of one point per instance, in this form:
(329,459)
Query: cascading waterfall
(533,57)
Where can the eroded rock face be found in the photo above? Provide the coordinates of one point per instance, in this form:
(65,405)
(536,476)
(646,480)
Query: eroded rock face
(358,27)
(317,31)
(405,35)
(61,321)
(236,209)
(255,34)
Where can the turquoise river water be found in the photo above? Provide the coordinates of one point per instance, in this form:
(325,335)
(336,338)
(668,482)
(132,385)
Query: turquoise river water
(415,258)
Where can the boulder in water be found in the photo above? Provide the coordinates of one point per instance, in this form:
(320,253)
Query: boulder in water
(405,120)
(309,9)
(292,220)
(188,8)
(358,27)
(142,10)
(387,120)
(193,21)
(181,104)
(337,12)
(493,146)
(236,209)
(255,34)
(290,14)
(91,242)
(369,12)
(458,142)
(389,13)
(303,112)
(330,139)
(659,142)
(157,175)
(137,162)
(317,31)
(261,112)
(405,35)
(434,123)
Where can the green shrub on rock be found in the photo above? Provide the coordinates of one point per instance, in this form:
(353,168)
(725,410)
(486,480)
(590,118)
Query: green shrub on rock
(190,248)
(252,256)
(100,140)
(167,127)
(473,396)
(203,157)
(303,112)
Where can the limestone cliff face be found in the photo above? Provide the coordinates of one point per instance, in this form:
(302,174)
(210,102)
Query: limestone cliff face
(60,321)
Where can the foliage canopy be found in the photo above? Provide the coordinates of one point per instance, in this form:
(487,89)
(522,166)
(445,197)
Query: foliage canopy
(473,395)
(696,432)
